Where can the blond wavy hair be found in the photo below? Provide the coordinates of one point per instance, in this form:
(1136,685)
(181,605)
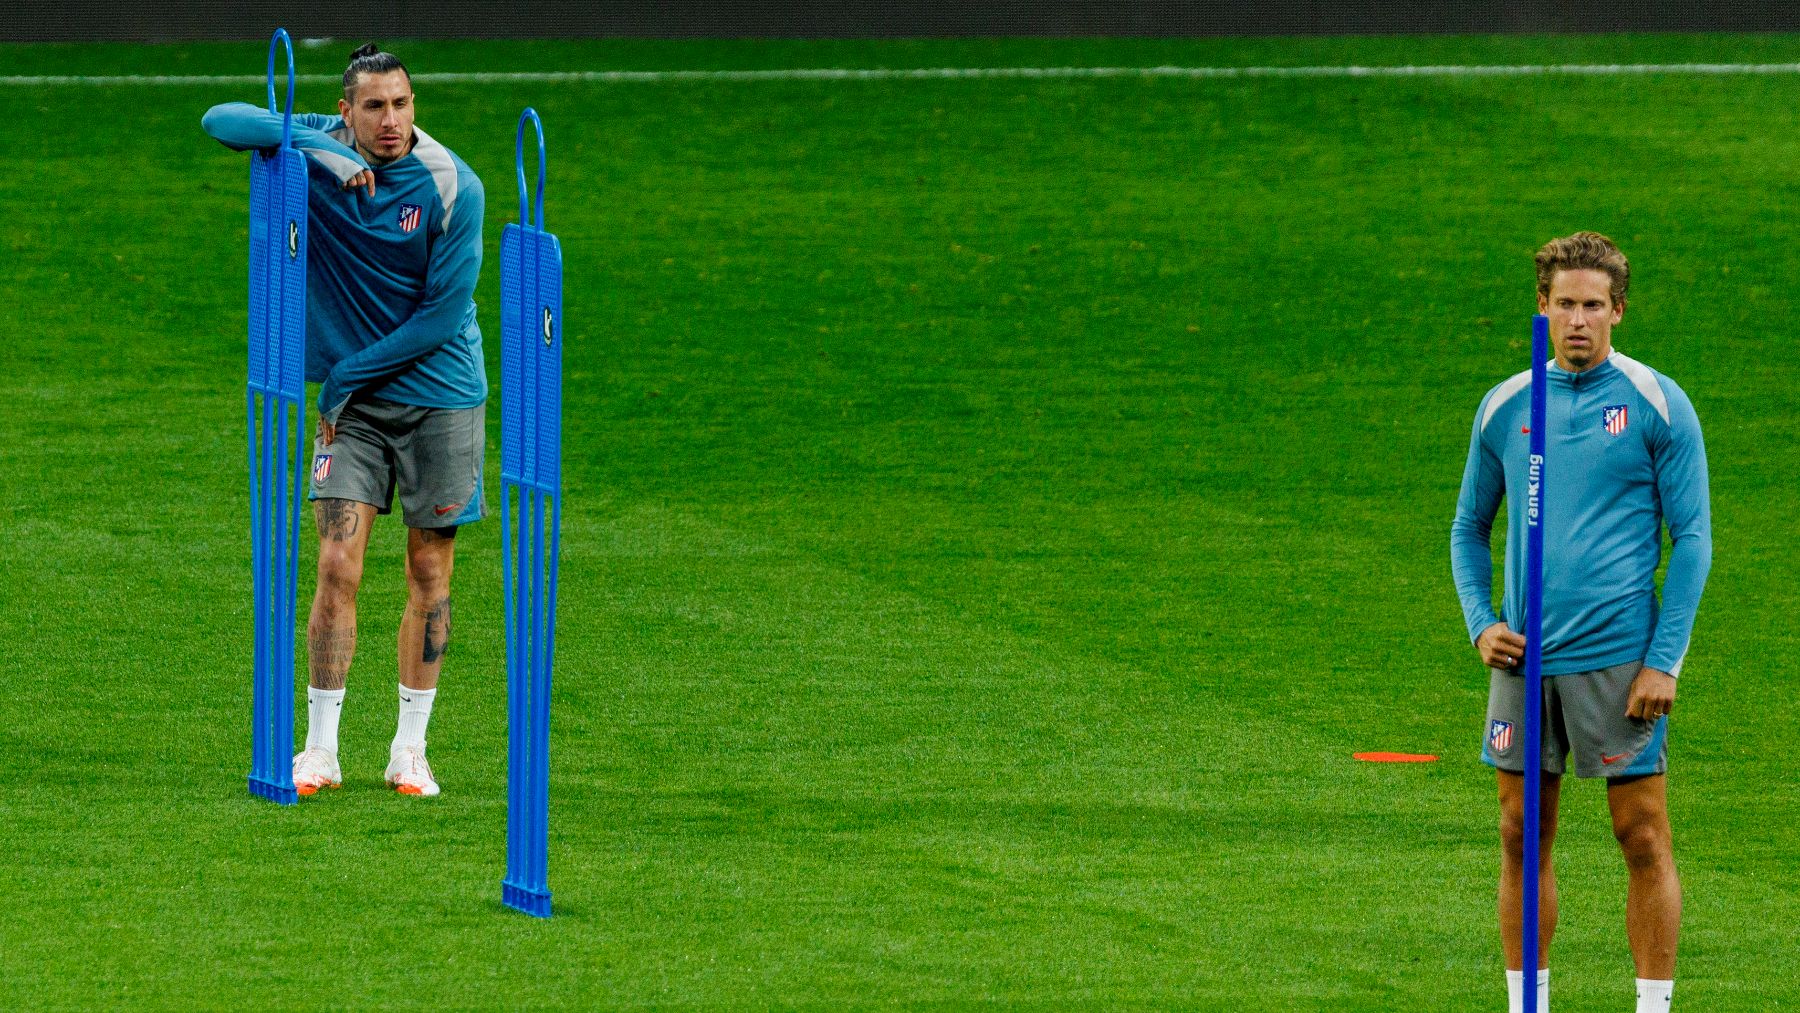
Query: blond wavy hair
(1584,251)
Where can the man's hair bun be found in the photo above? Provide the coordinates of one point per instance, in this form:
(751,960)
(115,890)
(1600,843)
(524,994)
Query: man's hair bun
(370,59)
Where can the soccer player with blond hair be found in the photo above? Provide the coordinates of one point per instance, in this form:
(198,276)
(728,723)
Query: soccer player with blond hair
(1624,460)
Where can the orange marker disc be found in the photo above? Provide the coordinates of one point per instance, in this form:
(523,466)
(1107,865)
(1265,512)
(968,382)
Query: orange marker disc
(1395,757)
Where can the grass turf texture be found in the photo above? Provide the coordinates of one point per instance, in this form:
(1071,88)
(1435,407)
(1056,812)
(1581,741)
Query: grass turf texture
(996,511)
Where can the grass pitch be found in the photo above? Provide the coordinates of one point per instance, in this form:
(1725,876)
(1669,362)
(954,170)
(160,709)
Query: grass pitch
(996,510)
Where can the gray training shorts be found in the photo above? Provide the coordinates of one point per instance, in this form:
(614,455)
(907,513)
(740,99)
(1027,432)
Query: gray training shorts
(433,456)
(1584,712)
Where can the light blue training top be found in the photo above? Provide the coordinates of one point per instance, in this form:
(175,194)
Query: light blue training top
(1623,456)
(390,279)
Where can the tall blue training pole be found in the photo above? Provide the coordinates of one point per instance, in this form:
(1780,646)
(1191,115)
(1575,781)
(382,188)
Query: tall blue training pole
(1534,650)
(530,471)
(278,450)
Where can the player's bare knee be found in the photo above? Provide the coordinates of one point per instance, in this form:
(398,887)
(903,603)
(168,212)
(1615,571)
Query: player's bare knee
(340,571)
(1644,843)
(427,582)
(1512,835)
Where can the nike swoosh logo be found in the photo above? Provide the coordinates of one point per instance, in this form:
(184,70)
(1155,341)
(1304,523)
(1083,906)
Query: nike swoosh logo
(441,511)
(1614,759)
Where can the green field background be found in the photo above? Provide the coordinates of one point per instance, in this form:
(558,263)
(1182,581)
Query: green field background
(996,510)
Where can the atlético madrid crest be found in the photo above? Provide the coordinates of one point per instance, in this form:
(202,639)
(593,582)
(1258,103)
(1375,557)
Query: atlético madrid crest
(1613,418)
(409,217)
(1500,735)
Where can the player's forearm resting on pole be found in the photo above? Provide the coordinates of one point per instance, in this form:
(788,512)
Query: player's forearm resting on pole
(243,127)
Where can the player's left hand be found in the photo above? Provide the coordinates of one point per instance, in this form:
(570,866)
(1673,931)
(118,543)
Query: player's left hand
(365,178)
(1652,695)
(327,432)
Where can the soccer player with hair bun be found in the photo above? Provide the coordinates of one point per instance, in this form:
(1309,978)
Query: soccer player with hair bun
(394,250)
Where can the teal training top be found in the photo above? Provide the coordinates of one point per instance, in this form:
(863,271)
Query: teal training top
(1623,457)
(390,279)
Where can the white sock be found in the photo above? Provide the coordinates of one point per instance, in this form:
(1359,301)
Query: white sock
(415,714)
(1654,996)
(322,709)
(1515,991)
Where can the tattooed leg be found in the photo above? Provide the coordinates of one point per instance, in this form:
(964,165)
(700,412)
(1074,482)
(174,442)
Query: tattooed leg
(424,636)
(339,520)
(331,630)
(329,652)
(437,631)
(425,627)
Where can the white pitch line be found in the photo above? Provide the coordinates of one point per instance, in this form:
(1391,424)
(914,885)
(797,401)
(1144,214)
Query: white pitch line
(958,73)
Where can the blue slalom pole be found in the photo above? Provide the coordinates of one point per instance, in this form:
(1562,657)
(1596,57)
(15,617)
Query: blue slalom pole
(531,516)
(533,818)
(251,403)
(514,705)
(1534,651)
(541,726)
(271,589)
(277,441)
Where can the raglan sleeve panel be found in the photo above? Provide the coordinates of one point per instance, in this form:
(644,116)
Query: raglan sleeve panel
(1471,551)
(1681,482)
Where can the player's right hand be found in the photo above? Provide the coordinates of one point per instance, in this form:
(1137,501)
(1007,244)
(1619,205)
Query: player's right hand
(363,178)
(1500,647)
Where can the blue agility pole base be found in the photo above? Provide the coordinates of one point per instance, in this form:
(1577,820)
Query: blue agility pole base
(1534,653)
(530,524)
(278,446)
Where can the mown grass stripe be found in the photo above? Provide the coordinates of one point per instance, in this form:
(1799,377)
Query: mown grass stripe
(954,73)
